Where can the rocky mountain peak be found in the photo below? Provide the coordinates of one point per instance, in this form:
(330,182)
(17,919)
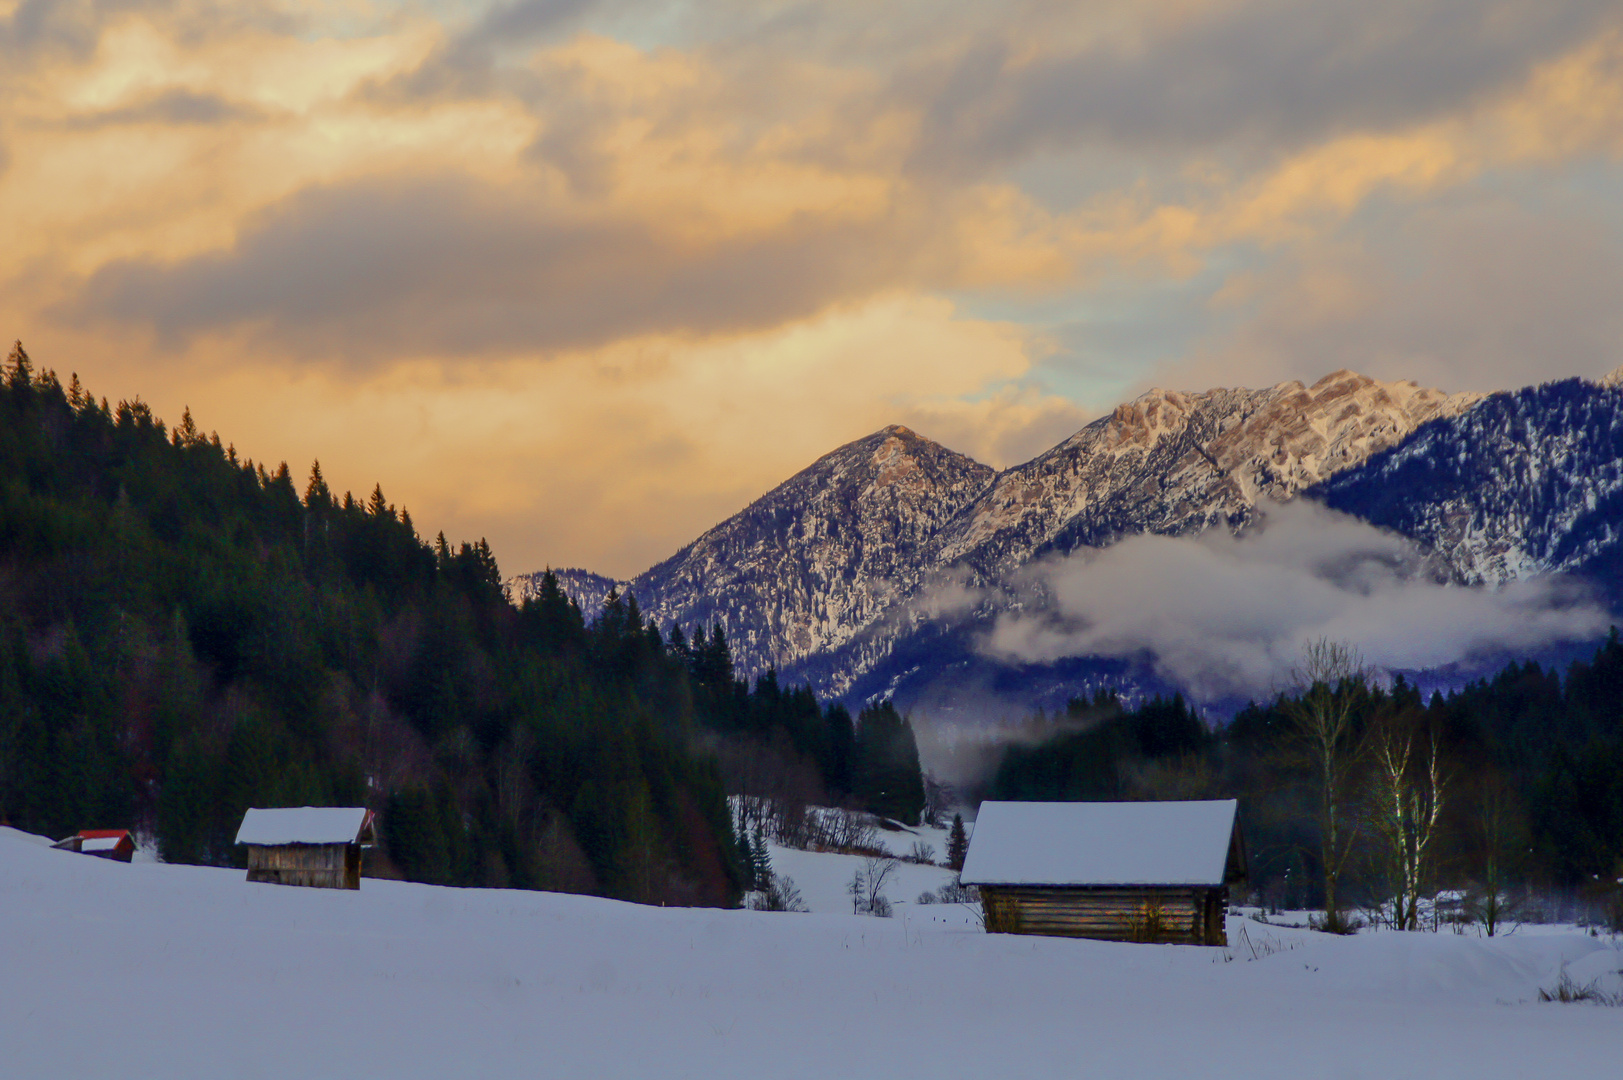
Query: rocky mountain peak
(1146,419)
(836,559)
(820,556)
(1291,436)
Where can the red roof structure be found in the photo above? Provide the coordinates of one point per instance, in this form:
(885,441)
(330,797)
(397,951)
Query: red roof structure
(115,844)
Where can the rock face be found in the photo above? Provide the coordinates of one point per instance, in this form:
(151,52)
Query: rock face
(1175,463)
(1527,482)
(824,575)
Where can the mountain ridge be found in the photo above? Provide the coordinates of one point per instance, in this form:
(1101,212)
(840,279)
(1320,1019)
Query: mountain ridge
(820,576)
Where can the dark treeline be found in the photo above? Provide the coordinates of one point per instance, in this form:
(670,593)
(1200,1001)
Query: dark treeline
(185,634)
(1528,767)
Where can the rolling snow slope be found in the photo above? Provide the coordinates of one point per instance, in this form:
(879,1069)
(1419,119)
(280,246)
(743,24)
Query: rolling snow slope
(111,970)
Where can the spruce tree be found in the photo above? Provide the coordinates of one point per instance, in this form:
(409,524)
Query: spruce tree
(317,495)
(19,370)
(957,843)
(761,857)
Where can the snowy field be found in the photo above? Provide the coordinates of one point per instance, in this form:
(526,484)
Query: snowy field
(823,879)
(146,970)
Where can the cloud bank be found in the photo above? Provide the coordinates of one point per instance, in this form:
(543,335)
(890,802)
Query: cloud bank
(1227,615)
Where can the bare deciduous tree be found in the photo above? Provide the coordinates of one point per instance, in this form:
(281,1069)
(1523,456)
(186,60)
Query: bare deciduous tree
(1497,827)
(938,798)
(1323,725)
(1408,803)
(868,885)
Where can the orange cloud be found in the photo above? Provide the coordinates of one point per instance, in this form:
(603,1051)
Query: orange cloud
(586,295)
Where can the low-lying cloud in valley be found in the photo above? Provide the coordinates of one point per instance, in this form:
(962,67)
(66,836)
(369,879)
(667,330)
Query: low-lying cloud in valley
(1227,615)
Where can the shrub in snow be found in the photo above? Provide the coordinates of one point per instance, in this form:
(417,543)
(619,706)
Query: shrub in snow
(1569,992)
(780,895)
(1335,922)
(953,892)
(956,892)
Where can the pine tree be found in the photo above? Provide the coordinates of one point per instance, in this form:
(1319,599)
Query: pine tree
(186,433)
(317,495)
(957,843)
(19,370)
(761,858)
(745,847)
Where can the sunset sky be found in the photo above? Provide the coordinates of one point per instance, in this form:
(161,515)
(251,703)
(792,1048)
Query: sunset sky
(585,278)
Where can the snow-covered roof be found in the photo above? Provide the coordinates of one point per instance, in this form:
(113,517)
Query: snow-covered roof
(100,843)
(304,825)
(1132,843)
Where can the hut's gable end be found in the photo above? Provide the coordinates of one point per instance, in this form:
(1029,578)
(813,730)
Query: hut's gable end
(1237,869)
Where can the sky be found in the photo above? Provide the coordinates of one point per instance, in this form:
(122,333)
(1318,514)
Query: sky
(584,278)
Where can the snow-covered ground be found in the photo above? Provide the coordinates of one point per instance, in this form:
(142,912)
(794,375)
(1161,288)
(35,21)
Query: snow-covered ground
(824,879)
(147,970)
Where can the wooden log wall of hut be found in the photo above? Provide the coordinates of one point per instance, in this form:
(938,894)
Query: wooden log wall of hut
(322,866)
(1188,916)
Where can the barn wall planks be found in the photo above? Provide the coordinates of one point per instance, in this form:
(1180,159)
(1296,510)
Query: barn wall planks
(321,866)
(1179,915)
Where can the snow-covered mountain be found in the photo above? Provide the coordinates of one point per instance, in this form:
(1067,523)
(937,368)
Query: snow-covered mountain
(824,575)
(1174,463)
(1526,482)
(815,560)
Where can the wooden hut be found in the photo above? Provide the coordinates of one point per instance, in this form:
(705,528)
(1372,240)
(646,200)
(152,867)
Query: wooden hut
(316,846)
(115,844)
(1144,871)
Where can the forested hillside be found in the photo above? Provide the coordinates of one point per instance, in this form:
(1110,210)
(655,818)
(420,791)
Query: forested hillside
(185,633)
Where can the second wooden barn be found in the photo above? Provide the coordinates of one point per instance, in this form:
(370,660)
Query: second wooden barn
(1142,871)
(317,846)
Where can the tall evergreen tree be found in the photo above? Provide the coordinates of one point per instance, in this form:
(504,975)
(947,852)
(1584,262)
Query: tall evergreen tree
(957,843)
